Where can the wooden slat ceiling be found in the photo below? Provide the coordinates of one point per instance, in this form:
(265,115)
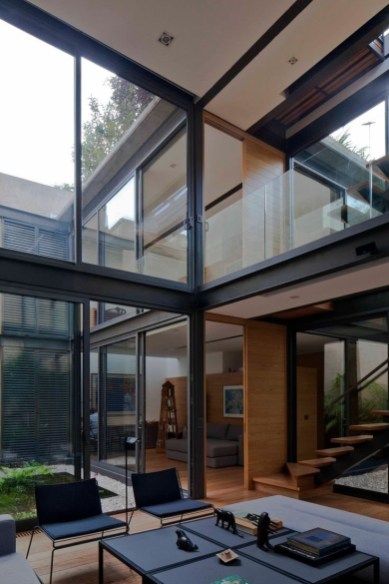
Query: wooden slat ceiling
(360,63)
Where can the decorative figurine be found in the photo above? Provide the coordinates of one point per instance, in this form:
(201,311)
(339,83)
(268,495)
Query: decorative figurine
(263,531)
(226,520)
(184,543)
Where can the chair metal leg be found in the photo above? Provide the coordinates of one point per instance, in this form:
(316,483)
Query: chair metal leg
(29,545)
(129,521)
(52,564)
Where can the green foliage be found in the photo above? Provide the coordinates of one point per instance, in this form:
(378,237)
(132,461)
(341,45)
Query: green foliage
(17,487)
(22,480)
(373,396)
(345,140)
(110,121)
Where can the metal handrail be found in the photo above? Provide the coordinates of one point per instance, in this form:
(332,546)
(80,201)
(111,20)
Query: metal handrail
(356,387)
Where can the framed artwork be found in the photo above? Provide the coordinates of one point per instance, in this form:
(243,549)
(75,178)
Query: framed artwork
(233,401)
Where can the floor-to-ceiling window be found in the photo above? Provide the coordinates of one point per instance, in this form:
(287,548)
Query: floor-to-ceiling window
(40,425)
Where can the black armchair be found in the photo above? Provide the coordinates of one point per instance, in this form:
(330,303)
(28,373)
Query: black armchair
(159,494)
(68,511)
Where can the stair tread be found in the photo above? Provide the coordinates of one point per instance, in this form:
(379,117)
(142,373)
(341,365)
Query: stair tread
(370,427)
(336,451)
(380,412)
(318,462)
(277,480)
(350,440)
(300,470)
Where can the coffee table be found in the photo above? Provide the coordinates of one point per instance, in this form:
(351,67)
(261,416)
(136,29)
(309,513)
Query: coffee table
(156,558)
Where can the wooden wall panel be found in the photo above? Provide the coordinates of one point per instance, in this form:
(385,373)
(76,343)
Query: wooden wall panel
(316,361)
(265,380)
(306,412)
(261,165)
(215,383)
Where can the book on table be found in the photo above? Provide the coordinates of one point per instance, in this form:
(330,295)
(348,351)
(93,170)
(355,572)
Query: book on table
(318,542)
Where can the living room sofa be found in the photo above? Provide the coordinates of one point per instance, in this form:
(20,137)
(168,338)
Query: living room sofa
(14,568)
(369,535)
(224,446)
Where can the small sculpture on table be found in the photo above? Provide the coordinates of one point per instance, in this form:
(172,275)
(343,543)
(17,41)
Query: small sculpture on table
(184,543)
(226,519)
(263,531)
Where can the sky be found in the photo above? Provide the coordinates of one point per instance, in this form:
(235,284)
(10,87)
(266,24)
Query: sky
(37,116)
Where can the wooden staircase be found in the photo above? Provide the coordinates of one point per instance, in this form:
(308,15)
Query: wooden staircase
(299,480)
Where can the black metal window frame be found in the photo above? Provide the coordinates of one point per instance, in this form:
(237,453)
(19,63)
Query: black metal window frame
(49,29)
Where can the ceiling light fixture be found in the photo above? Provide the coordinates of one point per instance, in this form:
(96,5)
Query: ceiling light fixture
(166,39)
(292,60)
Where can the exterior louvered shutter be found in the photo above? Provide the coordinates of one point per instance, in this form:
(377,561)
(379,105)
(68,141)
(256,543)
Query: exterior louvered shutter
(36,404)
(53,244)
(19,236)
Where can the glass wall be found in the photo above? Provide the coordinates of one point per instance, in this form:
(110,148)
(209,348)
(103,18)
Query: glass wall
(39,424)
(134,160)
(255,211)
(36,146)
(320,381)
(166,400)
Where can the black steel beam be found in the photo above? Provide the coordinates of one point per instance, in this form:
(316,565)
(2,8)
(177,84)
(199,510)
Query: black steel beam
(120,328)
(196,406)
(319,258)
(281,23)
(31,276)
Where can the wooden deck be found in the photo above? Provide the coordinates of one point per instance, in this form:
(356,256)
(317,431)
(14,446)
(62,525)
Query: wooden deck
(78,565)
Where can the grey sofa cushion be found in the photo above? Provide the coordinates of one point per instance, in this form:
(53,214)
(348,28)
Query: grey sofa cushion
(7,535)
(217,431)
(222,461)
(14,569)
(221,448)
(177,444)
(233,432)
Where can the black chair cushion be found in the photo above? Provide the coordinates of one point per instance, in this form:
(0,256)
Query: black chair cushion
(79,527)
(176,507)
(154,488)
(67,502)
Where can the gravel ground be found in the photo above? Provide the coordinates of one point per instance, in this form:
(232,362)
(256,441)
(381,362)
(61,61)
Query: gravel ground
(376,480)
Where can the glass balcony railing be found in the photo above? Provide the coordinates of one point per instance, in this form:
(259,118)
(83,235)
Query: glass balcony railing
(292,210)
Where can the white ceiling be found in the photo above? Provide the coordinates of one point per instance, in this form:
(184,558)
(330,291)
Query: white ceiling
(211,35)
(352,281)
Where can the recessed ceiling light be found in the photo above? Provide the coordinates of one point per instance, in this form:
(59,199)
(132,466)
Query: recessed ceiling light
(292,60)
(166,39)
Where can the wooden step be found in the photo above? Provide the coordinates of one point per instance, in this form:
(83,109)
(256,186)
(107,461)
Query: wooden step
(383,413)
(281,484)
(373,427)
(335,452)
(352,440)
(300,470)
(318,462)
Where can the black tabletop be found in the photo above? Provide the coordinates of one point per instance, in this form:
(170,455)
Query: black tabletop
(155,549)
(207,528)
(211,571)
(314,575)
